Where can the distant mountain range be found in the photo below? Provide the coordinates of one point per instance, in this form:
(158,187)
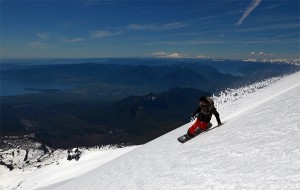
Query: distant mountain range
(61,123)
(116,102)
(156,78)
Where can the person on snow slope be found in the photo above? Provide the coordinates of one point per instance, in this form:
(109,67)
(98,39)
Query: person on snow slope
(204,113)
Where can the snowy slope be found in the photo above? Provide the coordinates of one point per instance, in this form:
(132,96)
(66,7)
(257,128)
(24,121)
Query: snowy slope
(57,168)
(258,147)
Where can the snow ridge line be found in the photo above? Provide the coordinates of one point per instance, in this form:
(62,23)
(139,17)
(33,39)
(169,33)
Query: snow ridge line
(233,94)
(260,102)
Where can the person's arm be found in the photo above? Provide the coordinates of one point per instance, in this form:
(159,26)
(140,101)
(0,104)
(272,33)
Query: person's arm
(196,112)
(216,114)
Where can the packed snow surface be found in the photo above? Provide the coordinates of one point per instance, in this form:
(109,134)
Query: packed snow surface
(258,147)
(57,168)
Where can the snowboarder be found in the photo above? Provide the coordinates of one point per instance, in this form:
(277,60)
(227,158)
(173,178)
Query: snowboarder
(204,113)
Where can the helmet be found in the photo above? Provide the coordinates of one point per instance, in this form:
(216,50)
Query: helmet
(203,99)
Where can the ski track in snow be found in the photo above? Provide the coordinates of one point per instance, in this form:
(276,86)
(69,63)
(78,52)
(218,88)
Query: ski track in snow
(258,147)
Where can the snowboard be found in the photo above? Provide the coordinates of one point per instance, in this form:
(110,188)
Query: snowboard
(185,138)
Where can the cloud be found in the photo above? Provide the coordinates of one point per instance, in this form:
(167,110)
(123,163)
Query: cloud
(42,35)
(284,26)
(74,40)
(40,45)
(250,8)
(169,26)
(200,56)
(104,33)
(163,54)
(35,44)
(261,53)
(270,7)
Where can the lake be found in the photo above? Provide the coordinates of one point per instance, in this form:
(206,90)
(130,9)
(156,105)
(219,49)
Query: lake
(11,88)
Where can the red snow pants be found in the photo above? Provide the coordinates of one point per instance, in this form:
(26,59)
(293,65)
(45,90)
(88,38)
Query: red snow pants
(196,125)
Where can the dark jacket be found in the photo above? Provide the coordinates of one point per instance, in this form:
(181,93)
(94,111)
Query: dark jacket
(205,112)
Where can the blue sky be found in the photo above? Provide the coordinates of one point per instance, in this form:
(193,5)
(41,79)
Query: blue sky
(204,28)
